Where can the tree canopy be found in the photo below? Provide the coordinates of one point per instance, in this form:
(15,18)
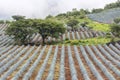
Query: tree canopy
(21,31)
(117,20)
(73,23)
(18,17)
(2,22)
(115,27)
(49,28)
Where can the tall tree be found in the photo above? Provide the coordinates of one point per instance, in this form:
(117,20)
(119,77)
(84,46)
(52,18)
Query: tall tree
(73,23)
(115,28)
(21,31)
(48,28)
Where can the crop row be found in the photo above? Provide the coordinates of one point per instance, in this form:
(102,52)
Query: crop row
(44,62)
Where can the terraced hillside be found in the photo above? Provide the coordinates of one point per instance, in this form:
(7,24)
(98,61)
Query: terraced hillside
(106,16)
(99,62)
(80,33)
(55,62)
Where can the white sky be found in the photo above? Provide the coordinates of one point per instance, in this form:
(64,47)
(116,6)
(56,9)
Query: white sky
(41,8)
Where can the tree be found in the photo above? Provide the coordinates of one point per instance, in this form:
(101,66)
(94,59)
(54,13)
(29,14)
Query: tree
(84,24)
(97,10)
(113,5)
(48,28)
(49,16)
(18,17)
(21,31)
(73,23)
(7,21)
(1,21)
(117,20)
(115,28)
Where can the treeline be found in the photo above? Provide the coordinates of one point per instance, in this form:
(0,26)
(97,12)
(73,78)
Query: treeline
(108,6)
(74,13)
(113,5)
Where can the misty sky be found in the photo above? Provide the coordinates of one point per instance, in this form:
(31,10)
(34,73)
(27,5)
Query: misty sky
(41,8)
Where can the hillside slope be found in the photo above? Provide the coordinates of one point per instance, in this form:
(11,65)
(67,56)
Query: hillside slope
(106,16)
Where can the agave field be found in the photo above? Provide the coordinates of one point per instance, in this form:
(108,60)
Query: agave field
(59,62)
(106,16)
(101,62)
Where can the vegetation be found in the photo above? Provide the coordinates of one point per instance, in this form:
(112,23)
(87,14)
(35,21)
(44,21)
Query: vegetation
(53,26)
(1,21)
(90,41)
(97,10)
(115,27)
(18,17)
(21,30)
(113,5)
(106,16)
(48,28)
(73,23)
(61,57)
(117,20)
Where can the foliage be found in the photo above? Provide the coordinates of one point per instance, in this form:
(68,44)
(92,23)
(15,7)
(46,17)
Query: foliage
(21,31)
(90,41)
(7,21)
(115,28)
(95,25)
(73,23)
(112,5)
(117,20)
(1,21)
(47,28)
(97,10)
(84,24)
(73,14)
(49,16)
(18,17)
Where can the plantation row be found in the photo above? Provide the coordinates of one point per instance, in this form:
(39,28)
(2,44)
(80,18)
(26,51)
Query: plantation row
(73,35)
(3,27)
(99,62)
(4,39)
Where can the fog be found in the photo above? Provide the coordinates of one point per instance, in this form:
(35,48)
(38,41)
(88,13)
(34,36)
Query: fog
(42,8)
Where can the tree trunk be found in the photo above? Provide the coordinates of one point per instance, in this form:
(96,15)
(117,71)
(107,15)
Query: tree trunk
(43,40)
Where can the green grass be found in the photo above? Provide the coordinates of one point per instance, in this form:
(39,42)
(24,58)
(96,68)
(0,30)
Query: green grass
(96,25)
(92,24)
(90,41)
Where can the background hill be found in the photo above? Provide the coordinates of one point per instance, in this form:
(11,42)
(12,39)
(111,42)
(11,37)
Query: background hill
(106,16)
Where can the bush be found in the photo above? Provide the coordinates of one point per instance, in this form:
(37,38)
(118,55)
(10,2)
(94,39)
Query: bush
(66,39)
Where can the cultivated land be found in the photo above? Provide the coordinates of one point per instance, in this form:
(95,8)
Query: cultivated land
(106,16)
(59,62)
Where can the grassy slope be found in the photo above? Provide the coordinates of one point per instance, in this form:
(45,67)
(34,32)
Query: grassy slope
(90,41)
(96,25)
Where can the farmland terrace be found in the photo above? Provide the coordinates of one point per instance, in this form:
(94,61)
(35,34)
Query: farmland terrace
(59,62)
